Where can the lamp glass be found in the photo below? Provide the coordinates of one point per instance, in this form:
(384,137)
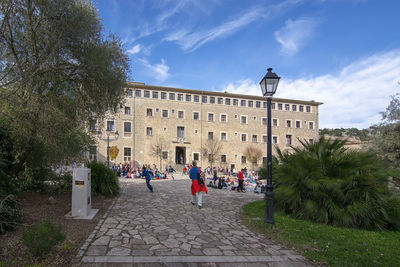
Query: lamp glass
(269,83)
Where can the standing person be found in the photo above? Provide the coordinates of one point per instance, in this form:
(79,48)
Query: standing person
(148,175)
(196,188)
(215,177)
(240,179)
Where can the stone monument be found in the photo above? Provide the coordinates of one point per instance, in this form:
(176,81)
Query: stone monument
(81,194)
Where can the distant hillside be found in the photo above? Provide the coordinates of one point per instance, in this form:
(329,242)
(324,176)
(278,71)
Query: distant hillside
(363,135)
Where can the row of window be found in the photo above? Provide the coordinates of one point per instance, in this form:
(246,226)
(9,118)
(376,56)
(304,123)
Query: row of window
(111,126)
(223,158)
(165,154)
(180,129)
(224,136)
(216,100)
(93,153)
(224,118)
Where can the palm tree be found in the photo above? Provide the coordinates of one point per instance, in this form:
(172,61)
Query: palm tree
(326,183)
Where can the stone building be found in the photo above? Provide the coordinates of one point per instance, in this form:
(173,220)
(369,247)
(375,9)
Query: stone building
(180,122)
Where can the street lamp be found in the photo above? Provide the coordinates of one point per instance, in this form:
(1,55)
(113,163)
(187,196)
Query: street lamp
(268,86)
(108,143)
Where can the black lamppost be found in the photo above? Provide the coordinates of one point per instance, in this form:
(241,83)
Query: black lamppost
(108,143)
(268,86)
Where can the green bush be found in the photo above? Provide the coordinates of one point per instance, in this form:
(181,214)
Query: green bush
(65,182)
(10,215)
(104,180)
(58,182)
(325,183)
(262,172)
(8,182)
(42,238)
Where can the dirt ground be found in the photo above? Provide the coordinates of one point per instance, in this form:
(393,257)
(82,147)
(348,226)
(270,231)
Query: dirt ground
(36,208)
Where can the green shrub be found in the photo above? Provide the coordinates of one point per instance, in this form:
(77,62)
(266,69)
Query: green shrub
(325,183)
(104,180)
(57,182)
(42,238)
(65,182)
(10,215)
(34,176)
(67,245)
(8,182)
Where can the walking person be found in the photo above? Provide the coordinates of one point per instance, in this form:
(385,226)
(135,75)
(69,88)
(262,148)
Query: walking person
(148,175)
(171,171)
(197,188)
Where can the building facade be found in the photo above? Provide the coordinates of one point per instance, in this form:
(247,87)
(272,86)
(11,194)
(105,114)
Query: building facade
(178,124)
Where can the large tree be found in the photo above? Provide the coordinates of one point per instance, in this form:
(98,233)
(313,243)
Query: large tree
(57,73)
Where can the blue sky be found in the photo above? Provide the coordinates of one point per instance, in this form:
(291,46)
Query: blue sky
(344,53)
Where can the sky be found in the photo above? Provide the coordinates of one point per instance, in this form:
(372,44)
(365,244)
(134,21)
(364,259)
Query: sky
(344,53)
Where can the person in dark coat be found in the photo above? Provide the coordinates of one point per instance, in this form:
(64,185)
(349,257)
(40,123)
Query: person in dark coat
(148,175)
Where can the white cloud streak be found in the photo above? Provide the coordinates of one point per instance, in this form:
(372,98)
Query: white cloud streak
(295,34)
(135,49)
(171,10)
(352,98)
(158,71)
(191,40)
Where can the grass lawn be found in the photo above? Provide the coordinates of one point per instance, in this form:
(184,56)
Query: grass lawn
(334,246)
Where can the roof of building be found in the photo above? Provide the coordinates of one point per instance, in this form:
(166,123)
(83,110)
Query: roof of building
(213,93)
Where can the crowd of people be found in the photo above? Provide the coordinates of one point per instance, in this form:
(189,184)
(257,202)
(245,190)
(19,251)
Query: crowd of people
(240,182)
(128,171)
(220,177)
(236,181)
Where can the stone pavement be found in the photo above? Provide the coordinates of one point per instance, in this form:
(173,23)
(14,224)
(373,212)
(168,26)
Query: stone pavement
(164,229)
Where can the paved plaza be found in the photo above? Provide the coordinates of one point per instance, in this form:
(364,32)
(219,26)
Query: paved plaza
(164,229)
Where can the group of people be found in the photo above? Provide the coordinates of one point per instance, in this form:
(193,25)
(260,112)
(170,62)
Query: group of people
(197,176)
(224,171)
(126,170)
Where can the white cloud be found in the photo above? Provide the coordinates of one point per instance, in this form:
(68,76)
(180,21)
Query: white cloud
(295,34)
(352,98)
(158,71)
(171,10)
(135,50)
(244,87)
(191,40)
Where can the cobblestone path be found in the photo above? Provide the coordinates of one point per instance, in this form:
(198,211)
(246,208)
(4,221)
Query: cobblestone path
(164,229)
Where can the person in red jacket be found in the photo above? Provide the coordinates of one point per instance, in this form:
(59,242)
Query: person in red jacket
(197,188)
(240,179)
